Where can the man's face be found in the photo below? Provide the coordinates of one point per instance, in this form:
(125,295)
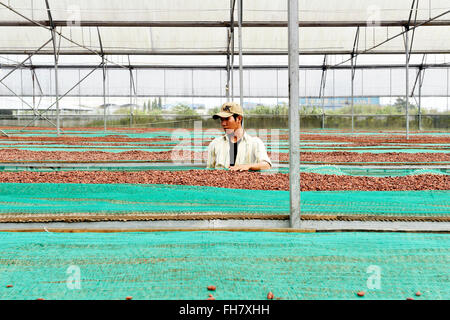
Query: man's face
(230,124)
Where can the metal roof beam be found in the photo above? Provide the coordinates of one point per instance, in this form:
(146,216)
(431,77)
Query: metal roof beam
(213,24)
(132,52)
(248,67)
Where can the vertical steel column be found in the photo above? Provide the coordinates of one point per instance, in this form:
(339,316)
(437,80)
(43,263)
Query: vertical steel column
(34,89)
(232,49)
(294,119)
(135,86)
(227,90)
(131,98)
(241,71)
(407,81)
(104,93)
(323,100)
(352,103)
(323,111)
(232,67)
(420,100)
(56,85)
(322,88)
(448,85)
(55,54)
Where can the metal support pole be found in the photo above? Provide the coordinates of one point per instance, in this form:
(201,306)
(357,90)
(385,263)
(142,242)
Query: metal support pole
(104,94)
(322,89)
(34,90)
(448,85)
(420,100)
(352,102)
(56,84)
(323,105)
(241,71)
(294,119)
(407,82)
(104,78)
(55,54)
(135,86)
(232,48)
(131,97)
(232,67)
(227,89)
(323,119)
(353,62)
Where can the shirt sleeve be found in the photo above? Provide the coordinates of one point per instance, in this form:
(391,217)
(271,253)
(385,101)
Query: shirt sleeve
(261,152)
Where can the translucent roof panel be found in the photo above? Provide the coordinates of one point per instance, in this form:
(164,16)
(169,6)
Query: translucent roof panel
(120,10)
(343,10)
(265,83)
(17,18)
(137,40)
(219,10)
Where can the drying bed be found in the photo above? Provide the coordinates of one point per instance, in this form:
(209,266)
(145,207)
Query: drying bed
(241,265)
(30,202)
(236,180)
(170,144)
(179,155)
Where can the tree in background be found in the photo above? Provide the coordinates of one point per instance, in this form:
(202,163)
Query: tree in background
(214,111)
(152,105)
(184,109)
(400,105)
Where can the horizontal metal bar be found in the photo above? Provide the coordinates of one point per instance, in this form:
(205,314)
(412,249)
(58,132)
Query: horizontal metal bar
(228,225)
(214,24)
(137,52)
(23,116)
(147,95)
(217,67)
(218,96)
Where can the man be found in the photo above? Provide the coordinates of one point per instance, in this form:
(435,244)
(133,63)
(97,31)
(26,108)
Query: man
(236,150)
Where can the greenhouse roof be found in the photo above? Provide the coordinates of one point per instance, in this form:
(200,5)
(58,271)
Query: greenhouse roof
(203,27)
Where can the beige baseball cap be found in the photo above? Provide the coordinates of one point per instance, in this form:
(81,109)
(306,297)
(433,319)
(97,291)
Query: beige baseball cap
(228,109)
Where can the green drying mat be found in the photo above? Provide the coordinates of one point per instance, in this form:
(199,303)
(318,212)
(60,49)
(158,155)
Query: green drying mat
(64,198)
(242,265)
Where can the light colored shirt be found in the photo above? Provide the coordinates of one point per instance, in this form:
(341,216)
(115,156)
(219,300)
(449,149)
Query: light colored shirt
(250,150)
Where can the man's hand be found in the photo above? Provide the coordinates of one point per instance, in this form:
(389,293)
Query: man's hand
(241,167)
(254,166)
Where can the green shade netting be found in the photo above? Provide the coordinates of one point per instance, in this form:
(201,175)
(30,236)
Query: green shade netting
(51,198)
(242,265)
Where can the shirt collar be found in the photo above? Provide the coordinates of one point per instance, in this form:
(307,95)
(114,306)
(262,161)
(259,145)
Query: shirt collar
(245,137)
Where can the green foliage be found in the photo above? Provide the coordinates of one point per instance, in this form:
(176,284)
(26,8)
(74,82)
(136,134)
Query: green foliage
(214,110)
(184,109)
(269,110)
(281,110)
(261,109)
(152,105)
(314,110)
(397,109)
